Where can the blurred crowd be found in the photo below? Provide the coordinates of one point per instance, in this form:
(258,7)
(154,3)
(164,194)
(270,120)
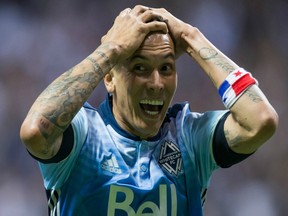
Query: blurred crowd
(41,39)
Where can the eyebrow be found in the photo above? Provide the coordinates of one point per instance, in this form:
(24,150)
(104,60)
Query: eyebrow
(138,56)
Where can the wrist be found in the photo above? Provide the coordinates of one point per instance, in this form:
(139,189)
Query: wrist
(108,52)
(104,58)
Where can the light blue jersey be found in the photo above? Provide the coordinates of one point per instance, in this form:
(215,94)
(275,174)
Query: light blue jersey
(111,172)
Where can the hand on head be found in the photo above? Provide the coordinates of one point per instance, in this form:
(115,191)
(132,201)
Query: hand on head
(131,27)
(177,29)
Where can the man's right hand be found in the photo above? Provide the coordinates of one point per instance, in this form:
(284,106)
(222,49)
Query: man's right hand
(130,29)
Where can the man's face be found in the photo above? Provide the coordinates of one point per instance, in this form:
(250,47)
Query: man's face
(144,85)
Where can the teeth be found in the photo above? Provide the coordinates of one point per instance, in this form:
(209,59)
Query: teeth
(151,112)
(152,102)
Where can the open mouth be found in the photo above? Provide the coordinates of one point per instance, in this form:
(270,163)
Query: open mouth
(152,107)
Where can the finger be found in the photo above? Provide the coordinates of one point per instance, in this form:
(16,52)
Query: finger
(103,38)
(125,12)
(149,16)
(139,9)
(157,26)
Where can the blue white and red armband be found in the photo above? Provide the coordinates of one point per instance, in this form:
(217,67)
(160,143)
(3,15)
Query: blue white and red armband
(234,86)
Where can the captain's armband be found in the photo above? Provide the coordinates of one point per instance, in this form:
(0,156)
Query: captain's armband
(234,86)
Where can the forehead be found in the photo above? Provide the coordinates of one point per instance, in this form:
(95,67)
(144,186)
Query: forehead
(157,42)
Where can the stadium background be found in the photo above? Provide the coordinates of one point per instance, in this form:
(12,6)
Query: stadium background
(40,39)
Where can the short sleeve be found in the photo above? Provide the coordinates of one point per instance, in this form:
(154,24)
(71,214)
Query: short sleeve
(198,132)
(223,155)
(55,174)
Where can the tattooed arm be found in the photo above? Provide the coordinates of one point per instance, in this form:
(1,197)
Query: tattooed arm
(252,120)
(54,109)
(56,106)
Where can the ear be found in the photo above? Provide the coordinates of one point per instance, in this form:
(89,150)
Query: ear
(109,82)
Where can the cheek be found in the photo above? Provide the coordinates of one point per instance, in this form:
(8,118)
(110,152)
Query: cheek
(127,100)
(172,86)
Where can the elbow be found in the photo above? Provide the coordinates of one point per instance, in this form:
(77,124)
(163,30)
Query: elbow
(38,140)
(271,122)
(268,125)
(33,140)
(30,135)
(262,126)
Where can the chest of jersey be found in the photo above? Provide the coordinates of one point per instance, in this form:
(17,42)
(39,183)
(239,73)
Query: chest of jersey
(119,176)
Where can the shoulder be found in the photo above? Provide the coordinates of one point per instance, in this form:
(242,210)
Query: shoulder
(88,106)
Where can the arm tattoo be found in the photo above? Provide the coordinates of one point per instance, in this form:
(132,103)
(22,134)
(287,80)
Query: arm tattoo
(62,99)
(96,66)
(211,54)
(224,65)
(104,56)
(191,51)
(253,95)
(57,105)
(207,53)
(48,134)
(232,140)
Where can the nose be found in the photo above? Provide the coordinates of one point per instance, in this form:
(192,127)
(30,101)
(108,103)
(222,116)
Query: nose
(155,82)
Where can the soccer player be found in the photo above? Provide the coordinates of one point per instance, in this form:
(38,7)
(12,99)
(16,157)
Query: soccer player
(137,154)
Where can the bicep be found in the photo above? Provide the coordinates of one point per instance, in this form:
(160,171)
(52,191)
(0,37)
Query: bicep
(235,134)
(41,138)
(66,146)
(223,154)
(251,123)
(45,151)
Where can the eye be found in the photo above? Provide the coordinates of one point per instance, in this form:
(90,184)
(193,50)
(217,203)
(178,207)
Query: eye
(167,69)
(139,68)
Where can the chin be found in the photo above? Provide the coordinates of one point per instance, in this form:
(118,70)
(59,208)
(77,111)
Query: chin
(147,129)
(148,133)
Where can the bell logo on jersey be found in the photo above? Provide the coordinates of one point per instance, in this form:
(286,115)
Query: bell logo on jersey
(170,158)
(123,204)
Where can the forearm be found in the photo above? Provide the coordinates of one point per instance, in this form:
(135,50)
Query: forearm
(253,119)
(57,105)
(213,62)
(63,98)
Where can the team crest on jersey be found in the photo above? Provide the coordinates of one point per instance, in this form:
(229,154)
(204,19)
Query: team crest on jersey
(170,158)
